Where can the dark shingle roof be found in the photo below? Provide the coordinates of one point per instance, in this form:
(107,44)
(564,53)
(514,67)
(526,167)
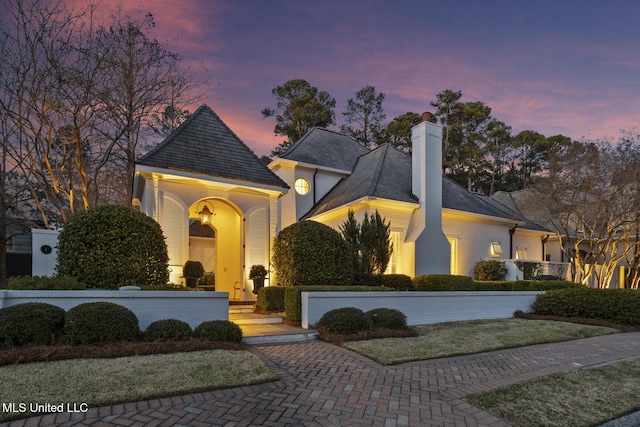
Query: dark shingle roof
(386,173)
(323,147)
(205,144)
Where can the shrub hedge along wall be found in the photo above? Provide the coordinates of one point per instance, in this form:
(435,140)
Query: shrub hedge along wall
(112,246)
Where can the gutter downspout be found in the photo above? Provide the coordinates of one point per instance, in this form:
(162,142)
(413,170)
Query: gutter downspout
(314,187)
(511,233)
(544,247)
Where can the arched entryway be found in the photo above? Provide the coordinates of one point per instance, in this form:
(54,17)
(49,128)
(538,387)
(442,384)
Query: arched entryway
(219,250)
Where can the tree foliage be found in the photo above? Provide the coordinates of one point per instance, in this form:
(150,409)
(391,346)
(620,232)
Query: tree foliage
(364,117)
(299,107)
(369,244)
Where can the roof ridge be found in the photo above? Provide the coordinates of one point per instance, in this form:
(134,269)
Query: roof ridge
(378,170)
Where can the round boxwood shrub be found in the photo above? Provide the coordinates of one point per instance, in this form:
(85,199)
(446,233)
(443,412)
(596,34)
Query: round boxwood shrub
(30,323)
(490,270)
(308,253)
(399,282)
(218,330)
(345,321)
(113,246)
(100,322)
(389,318)
(168,330)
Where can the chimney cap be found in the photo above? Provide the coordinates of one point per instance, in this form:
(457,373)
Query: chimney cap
(428,117)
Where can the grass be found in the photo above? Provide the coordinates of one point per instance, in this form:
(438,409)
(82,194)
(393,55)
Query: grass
(586,397)
(100,382)
(458,338)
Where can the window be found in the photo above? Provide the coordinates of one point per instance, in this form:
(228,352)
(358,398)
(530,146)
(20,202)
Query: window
(302,186)
(496,249)
(453,266)
(521,253)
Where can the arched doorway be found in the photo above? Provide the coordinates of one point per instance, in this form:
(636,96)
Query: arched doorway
(219,250)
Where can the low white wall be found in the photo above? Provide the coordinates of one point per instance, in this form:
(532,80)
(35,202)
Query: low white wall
(149,306)
(421,308)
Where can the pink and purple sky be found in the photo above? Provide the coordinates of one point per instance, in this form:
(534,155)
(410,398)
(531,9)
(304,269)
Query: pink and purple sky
(569,66)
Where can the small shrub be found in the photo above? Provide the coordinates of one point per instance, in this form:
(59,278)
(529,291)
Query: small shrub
(399,282)
(168,330)
(346,320)
(271,298)
(193,269)
(389,318)
(100,322)
(308,253)
(209,279)
(39,283)
(30,323)
(218,330)
(490,270)
(444,282)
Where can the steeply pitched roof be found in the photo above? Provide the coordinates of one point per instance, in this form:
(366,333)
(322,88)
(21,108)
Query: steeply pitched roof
(323,147)
(386,173)
(205,144)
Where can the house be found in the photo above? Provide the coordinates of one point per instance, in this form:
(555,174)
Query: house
(203,167)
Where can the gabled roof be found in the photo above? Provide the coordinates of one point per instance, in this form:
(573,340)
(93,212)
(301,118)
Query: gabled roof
(383,173)
(204,144)
(326,148)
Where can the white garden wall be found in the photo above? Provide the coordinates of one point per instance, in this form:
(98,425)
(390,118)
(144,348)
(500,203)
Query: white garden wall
(149,306)
(421,307)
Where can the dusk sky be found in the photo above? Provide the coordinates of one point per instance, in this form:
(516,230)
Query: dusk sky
(554,66)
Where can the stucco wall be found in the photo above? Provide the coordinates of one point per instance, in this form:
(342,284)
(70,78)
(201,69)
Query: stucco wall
(149,306)
(421,308)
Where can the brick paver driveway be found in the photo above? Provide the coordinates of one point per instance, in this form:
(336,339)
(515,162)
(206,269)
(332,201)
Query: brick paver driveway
(325,385)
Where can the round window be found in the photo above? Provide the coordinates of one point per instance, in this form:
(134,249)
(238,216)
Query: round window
(302,186)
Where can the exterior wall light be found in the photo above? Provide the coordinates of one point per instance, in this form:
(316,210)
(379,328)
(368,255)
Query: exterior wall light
(205,214)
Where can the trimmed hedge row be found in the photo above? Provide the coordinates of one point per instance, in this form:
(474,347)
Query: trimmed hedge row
(620,306)
(41,283)
(97,323)
(443,282)
(271,298)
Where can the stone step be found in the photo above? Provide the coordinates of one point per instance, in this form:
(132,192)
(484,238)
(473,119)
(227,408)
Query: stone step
(238,309)
(254,319)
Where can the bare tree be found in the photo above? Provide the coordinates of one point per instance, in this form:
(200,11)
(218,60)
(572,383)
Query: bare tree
(592,199)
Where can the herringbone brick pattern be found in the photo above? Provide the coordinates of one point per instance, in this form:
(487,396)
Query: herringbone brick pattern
(324,385)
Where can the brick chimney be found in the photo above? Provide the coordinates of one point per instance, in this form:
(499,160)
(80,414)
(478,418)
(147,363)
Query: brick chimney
(432,250)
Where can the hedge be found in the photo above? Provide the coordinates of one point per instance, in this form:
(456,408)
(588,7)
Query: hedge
(271,298)
(39,283)
(620,306)
(444,282)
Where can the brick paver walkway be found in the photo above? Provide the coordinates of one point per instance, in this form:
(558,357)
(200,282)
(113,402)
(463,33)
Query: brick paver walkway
(325,385)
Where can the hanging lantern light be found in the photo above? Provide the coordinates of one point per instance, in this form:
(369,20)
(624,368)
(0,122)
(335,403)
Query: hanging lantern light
(205,215)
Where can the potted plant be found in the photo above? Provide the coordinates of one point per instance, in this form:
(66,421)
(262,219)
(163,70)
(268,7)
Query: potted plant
(192,272)
(257,273)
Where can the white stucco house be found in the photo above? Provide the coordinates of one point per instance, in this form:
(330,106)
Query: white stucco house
(437,226)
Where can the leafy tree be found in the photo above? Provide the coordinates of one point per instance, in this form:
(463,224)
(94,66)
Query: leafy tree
(364,116)
(399,131)
(497,149)
(299,107)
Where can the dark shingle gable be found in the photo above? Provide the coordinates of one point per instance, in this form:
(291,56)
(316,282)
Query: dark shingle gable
(323,147)
(204,144)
